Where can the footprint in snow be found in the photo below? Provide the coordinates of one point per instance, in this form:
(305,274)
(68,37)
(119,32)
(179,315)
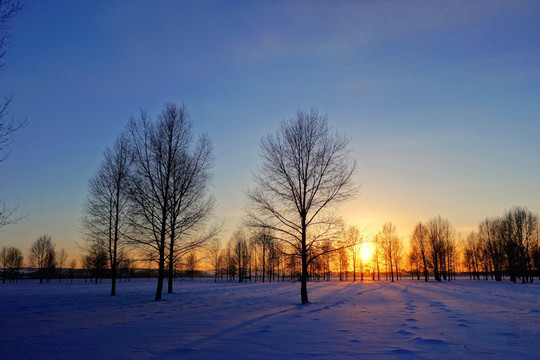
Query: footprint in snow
(430,341)
(404,354)
(508,334)
(404,332)
(437,303)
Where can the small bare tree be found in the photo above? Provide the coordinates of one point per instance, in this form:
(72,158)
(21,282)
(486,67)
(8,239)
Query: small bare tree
(62,262)
(12,261)
(305,170)
(72,268)
(43,257)
(391,247)
(353,241)
(215,256)
(191,264)
(95,261)
(263,239)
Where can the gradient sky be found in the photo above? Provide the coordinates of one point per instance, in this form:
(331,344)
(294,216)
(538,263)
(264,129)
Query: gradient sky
(441,99)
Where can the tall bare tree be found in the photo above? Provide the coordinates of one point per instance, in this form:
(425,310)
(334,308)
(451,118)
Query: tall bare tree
(305,170)
(169,185)
(191,203)
(105,210)
(43,257)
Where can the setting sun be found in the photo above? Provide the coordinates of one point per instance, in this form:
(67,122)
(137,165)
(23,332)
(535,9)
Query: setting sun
(366,252)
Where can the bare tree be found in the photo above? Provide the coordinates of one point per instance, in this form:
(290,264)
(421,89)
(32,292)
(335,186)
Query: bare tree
(126,265)
(191,264)
(4,262)
(522,234)
(440,243)
(150,185)
(105,210)
(377,254)
(264,238)
(242,254)
(43,257)
(353,241)
(72,268)
(12,261)
(191,203)
(391,247)
(306,169)
(343,263)
(169,186)
(472,255)
(419,243)
(492,237)
(61,260)
(95,261)
(215,256)
(230,263)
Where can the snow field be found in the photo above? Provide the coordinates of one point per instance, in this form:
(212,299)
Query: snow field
(202,320)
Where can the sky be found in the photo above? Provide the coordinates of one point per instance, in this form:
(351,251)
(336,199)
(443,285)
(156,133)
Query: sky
(441,100)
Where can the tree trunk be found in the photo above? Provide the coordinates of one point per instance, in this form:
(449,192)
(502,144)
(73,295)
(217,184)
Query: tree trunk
(304,277)
(113,280)
(171,263)
(161,266)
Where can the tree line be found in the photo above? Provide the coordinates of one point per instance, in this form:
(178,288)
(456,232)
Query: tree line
(505,246)
(43,257)
(502,247)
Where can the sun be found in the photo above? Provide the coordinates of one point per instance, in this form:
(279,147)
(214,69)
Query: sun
(366,252)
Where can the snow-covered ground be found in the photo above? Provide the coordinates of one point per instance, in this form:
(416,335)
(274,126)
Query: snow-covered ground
(202,320)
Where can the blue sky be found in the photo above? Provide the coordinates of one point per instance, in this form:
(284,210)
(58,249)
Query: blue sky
(441,99)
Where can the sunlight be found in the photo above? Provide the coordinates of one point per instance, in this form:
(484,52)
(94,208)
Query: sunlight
(366,252)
